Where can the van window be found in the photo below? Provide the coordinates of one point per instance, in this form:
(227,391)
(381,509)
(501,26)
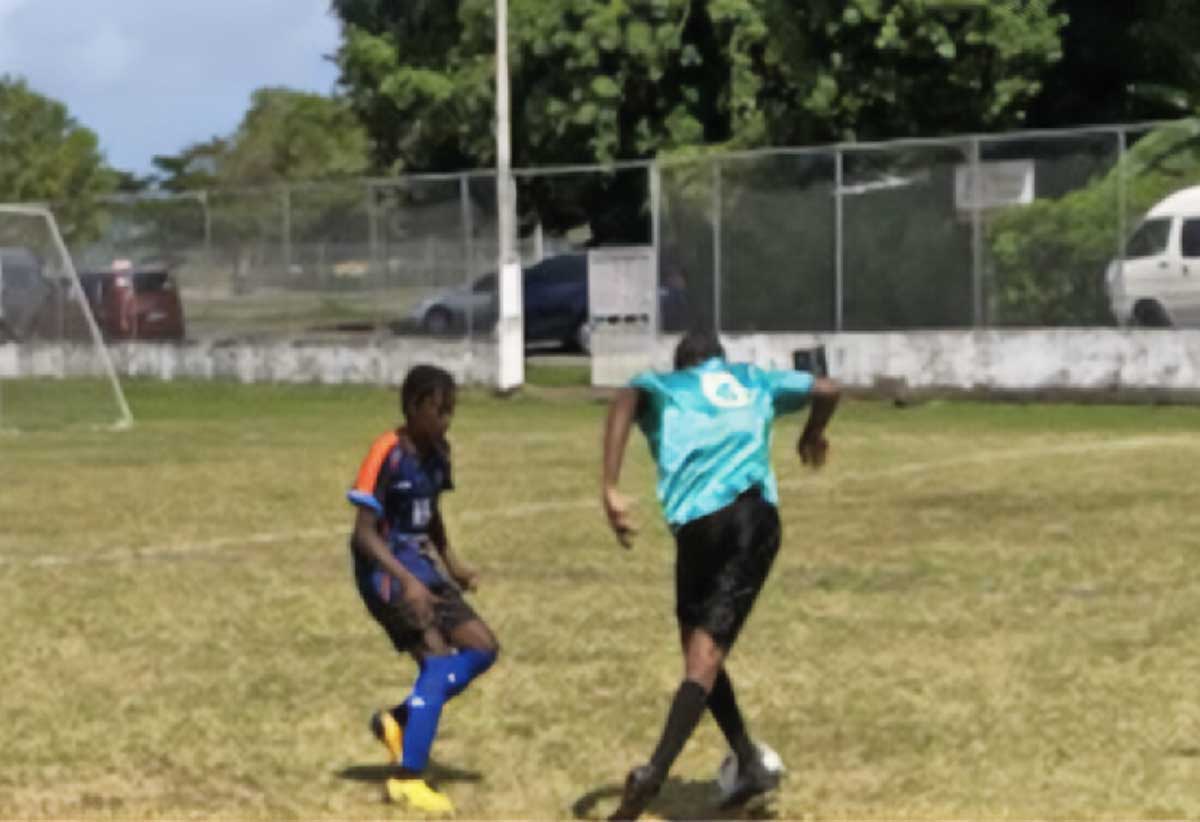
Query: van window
(1191,237)
(147,281)
(1150,239)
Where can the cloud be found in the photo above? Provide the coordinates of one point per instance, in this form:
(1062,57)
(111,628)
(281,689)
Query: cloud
(151,77)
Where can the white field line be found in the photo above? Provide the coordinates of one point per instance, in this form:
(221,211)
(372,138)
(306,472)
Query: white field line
(201,547)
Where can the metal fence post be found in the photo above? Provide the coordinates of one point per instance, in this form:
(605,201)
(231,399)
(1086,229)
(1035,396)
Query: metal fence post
(839,243)
(468,228)
(1122,147)
(654,175)
(716,218)
(287,229)
(373,232)
(977,297)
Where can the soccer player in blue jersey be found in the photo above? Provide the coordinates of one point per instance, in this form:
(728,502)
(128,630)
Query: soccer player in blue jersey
(411,580)
(708,424)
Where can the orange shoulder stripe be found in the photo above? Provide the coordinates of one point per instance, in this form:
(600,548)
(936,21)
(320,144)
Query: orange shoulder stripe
(368,472)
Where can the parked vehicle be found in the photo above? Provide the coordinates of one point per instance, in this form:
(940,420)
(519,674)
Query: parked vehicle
(1156,282)
(135,303)
(555,300)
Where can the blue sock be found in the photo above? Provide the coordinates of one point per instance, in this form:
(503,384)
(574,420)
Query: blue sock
(440,679)
(465,666)
(424,711)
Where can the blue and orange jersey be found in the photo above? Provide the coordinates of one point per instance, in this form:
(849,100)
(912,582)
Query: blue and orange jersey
(402,488)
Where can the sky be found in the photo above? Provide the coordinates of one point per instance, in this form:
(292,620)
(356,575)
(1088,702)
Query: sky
(154,76)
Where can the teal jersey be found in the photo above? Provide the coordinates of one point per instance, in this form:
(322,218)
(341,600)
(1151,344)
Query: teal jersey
(709,430)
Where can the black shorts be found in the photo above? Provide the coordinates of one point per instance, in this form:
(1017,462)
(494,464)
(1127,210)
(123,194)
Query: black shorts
(398,620)
(721,563)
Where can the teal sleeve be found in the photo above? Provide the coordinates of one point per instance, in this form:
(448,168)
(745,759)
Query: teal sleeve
(790,390)
(644,381)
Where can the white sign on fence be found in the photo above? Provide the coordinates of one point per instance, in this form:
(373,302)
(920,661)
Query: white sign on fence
(999,183)
(623,311)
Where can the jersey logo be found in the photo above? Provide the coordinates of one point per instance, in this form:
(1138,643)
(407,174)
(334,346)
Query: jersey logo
(723,390)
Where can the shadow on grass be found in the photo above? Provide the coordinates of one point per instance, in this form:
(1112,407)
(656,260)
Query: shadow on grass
(436,773)
(679,799)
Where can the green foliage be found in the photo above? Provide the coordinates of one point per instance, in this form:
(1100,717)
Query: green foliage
(1122,62)
(47,157)
(594,82)
(1049,257)
(879,69)
(286,136)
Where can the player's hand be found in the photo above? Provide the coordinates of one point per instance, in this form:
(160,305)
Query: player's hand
(813,450)
(616,508)
(466,577)
(421,602)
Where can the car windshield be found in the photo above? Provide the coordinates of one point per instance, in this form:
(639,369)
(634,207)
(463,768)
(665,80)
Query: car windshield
(145,281)
(1150,238)
(485,283)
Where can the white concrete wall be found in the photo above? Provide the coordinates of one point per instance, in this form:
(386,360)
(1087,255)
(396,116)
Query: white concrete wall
(378,363)
(1105,360)
(1101,359)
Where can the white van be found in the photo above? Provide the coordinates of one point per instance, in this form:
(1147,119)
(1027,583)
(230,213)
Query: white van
(1157,281)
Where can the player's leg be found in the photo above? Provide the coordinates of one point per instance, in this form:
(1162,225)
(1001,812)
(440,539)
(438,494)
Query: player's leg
(696,562)
(418,717)
(753,540)
(722,704)
(455,651)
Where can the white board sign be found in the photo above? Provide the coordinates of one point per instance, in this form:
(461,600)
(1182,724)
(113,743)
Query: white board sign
(999,183)
(623,311)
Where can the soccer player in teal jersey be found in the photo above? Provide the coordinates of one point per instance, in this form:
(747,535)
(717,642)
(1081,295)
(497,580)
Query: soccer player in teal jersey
(708,425)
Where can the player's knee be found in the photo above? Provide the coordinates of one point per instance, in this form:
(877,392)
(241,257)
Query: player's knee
(483,658)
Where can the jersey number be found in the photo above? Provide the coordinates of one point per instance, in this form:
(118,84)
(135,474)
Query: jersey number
(723,390)
(422,512)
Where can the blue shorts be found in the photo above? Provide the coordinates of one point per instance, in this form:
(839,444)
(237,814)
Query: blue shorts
(380,592)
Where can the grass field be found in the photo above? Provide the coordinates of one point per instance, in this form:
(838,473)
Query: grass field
(980,612)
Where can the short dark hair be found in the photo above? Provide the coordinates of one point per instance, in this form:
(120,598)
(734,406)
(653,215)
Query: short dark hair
(423,381)
(696,346)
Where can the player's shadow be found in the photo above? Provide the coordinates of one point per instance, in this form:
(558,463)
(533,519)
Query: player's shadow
(436,772)
(680,799)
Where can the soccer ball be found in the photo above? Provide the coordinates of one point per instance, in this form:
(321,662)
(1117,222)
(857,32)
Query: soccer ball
(727,774)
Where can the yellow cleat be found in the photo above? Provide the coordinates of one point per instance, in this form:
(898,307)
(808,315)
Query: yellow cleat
(416,794)
(388,731)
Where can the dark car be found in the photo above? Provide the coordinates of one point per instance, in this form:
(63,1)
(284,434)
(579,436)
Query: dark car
(131,303)
(555,299)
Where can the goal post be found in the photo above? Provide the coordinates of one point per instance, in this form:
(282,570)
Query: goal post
(55,370)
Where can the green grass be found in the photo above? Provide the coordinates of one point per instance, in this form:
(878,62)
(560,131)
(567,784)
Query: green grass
(980,611)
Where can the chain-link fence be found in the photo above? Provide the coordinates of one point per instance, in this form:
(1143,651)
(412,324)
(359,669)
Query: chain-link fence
(1020,230)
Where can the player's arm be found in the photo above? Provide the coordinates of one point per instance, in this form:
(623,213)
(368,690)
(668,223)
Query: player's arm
(823,401)
(461,571)
(621,414)
(367,542)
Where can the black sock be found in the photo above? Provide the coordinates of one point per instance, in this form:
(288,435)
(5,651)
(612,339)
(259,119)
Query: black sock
(686,710)
(723,705)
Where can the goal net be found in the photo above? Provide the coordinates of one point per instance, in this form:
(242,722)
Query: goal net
(55,371)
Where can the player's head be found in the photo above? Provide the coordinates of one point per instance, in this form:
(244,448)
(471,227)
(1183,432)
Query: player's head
(695,347)
(427,401)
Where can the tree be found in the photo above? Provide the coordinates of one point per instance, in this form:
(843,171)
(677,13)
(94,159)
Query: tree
(286,137)
(47,157)
(595,82)
(193,169)
(1122,61)
(294,135)
(884,69)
